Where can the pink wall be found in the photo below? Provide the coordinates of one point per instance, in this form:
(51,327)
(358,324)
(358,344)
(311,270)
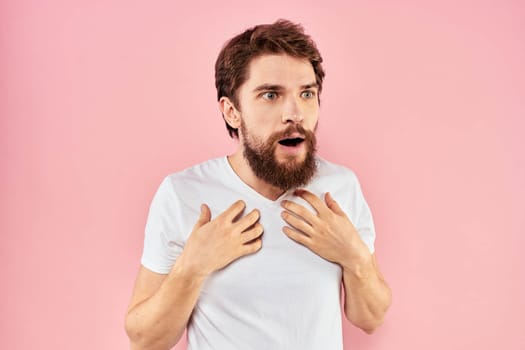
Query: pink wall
(101,99)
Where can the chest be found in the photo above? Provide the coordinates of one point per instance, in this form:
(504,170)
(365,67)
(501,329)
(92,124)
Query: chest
(283,271)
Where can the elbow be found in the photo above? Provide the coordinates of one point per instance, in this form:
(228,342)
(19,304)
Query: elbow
(137,342)
(372,320)
(371,328)
(368,326)
(141,337)
(132,333)
(368,322)
(136,338)
(128,327)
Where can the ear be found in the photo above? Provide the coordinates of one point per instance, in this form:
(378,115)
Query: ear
(231,115)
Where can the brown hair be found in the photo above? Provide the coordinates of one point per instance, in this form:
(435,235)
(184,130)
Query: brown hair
(281,37)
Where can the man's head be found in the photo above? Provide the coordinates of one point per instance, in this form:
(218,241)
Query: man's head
(281,37)
(268,82)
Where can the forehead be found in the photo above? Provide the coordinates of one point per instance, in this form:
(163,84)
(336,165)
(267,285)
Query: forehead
(283,70)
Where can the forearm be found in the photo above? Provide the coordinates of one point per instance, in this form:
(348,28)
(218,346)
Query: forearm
(367,296)
(159,321)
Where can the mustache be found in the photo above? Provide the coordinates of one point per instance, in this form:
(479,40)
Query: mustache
(291,130)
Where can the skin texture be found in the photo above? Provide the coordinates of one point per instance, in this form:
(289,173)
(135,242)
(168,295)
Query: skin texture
(280,91)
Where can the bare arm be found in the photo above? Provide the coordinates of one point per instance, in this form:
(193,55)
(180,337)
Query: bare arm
(367,296)
(330,234)
(161,305)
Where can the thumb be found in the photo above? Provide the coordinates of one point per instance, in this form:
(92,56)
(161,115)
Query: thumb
(204,217)
(332,204)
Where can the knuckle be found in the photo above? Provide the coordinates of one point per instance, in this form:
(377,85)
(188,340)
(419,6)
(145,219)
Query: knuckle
(257,231)
(226,228)
(253,246)
(303,211)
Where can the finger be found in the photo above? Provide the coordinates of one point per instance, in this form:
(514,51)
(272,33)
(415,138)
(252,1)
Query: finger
(297,223)
(204,217)
(253,233)
(234,211)
(252,247)
(248,220)
(299,211)
(332,204)
(297,236)
(312,199)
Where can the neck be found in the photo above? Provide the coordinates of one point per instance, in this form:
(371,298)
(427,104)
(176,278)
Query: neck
(241,167)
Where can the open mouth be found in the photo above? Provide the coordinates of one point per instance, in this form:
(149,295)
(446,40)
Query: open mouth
(291,142)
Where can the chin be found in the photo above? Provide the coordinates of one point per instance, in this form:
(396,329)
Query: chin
(292,160)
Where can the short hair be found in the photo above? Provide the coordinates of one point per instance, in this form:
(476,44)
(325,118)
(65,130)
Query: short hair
(281,37)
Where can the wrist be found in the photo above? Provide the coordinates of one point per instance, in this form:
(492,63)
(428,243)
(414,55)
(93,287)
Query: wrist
(189,269)
(361,268)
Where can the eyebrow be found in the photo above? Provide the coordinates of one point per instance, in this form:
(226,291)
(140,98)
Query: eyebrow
(265,87)
(275,87)
(310,86)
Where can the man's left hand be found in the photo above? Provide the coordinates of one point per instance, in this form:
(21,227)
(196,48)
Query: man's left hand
(329,233)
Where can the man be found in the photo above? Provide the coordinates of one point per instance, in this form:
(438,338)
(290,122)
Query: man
(250,251)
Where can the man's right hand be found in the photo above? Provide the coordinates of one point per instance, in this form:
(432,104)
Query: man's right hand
(213,244)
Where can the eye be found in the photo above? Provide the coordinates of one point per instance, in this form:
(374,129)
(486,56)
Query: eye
(269,95)
(308,94)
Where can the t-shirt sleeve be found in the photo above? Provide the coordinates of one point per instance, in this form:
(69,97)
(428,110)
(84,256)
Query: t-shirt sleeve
(162,243)
(365,222)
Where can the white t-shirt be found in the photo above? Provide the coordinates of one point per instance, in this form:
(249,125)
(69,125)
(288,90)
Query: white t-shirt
(282,297)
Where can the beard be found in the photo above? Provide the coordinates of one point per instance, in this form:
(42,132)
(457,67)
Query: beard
(285,175)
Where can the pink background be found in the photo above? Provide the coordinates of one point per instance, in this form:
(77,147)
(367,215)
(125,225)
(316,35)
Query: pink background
(424,100)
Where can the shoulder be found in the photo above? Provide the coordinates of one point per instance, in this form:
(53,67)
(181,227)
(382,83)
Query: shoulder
(333,171)
(207,170)
(341,181)
(187,188)
(178,198)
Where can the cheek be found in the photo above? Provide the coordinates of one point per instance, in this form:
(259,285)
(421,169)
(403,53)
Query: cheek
(311,116)
(266,113)
(263,120)
(257,130)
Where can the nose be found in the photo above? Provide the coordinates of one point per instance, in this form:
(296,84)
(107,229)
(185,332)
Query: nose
(291,111)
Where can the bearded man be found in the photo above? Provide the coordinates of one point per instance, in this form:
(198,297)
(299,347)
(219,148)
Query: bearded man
(252,250)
